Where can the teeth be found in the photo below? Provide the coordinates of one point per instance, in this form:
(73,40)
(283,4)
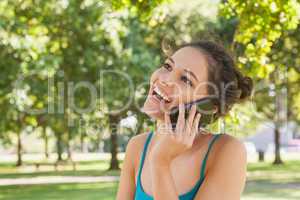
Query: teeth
(160,93)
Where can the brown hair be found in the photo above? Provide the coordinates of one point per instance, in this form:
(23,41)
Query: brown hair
(223,74)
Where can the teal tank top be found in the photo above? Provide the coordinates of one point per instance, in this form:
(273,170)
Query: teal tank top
(140,194)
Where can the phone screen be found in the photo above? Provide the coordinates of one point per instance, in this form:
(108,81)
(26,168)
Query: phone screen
(205,106)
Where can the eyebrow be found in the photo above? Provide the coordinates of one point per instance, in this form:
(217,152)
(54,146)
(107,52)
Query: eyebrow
(191,73)
(187,71)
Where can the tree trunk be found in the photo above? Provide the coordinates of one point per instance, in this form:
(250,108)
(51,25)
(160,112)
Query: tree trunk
(19,150)
(261,156)
(67,133)
(277,160)
(41,122)
(114,163)
(69,151)
(59,147)
(98,141)
(46,145)
(81,142)
(279,118)
(113,123)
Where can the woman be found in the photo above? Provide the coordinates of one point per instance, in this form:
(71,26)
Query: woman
(187,162)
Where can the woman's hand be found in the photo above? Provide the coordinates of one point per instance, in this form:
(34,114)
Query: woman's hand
(172,143)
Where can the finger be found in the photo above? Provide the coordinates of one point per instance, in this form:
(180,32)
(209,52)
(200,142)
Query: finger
(196,124)
(190,120)
(181,120)
(168,124)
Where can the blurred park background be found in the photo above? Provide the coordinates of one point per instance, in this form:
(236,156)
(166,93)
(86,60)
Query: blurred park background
(58,139)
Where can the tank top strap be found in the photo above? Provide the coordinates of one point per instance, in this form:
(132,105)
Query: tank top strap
(215,137)
(144,154)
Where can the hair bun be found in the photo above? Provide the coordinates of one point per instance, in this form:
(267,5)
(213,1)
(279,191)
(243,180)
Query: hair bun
(245,84)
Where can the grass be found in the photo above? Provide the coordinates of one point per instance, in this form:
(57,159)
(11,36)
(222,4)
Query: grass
(63,173)
(288,172)
(103,191)
(268,190)
(264,182)
(83,168)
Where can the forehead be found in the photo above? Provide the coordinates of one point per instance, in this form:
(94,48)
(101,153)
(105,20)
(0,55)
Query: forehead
(193,60)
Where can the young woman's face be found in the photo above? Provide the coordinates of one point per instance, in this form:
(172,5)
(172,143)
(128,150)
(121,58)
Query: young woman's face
(182,78)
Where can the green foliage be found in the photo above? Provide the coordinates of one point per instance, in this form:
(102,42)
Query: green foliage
(261,23)
(46,45)
(265,50)
(141,8)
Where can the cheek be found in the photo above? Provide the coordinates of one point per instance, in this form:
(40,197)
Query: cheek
(155,76)
(201,90)
(189,95)
(183,92)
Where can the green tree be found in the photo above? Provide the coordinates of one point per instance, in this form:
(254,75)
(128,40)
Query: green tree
(260,25)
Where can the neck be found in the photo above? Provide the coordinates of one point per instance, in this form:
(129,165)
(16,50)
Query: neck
(159,122)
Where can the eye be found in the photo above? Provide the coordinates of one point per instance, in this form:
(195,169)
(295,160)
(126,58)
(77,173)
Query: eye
(167,66)
(186,80)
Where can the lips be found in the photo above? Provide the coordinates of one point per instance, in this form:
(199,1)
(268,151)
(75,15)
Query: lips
(160,94)
(157,101)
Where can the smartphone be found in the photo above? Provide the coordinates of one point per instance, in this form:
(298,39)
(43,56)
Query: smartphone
(204,106)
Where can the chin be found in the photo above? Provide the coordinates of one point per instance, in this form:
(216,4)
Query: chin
(155,116)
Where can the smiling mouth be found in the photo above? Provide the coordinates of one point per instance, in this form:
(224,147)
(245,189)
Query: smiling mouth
(161,96)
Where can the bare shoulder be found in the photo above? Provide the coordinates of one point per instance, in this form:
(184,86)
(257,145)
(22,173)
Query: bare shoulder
(231,141)
(138,140)
(135,146)
(230,148)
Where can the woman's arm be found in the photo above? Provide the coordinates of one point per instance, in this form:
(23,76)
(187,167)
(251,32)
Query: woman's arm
(226,177)
(126,189)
